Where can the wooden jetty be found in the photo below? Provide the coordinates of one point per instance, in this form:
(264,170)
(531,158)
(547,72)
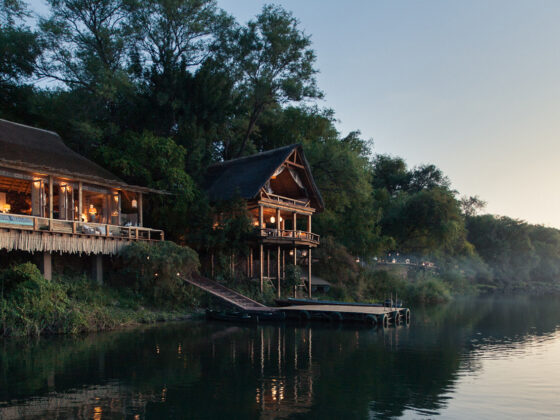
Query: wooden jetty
(375,315)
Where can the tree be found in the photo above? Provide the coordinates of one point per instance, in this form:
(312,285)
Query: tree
(272,63)
(19,46)
(86,44)
(470,206)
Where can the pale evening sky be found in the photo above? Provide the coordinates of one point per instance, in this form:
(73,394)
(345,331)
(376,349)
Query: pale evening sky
(471,86)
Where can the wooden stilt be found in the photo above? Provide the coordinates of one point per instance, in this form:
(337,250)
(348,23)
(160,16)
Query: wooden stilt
(261,267)
(309,273)
(268,263)
(251,268)
(278,268)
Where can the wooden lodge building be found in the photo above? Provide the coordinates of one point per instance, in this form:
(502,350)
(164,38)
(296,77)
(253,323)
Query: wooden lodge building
(281,198)
(53,200)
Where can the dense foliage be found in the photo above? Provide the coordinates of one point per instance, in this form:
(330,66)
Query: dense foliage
(157,90)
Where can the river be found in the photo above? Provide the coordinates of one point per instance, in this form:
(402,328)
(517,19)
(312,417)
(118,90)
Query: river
(484,358)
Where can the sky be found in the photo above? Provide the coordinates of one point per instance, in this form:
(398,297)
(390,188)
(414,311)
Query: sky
(470,86)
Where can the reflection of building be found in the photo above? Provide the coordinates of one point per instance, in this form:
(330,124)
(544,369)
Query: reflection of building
(281,198)
(55,200)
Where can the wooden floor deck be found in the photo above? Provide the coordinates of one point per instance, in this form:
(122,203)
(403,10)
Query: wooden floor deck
(373,310)
(374,315)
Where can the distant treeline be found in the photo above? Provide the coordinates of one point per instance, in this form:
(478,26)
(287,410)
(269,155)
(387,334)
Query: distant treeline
(157,90)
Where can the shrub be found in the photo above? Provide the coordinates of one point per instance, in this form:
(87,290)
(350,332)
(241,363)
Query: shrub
(156,271)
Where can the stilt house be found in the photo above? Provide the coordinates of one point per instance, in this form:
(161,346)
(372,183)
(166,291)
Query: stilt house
(54,200)
(281,198)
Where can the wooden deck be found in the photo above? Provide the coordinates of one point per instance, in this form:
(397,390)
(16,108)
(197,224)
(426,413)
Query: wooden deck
(374,315)
(40,234)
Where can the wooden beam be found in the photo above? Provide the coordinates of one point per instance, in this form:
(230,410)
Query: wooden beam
(297,165)
(309,271)
(309,223)
(261,267)
(140,211)
(51,208)
(268,263)
(80,200)
(261,217)
(278,268)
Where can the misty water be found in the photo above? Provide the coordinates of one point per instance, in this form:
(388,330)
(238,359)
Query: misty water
(475,358)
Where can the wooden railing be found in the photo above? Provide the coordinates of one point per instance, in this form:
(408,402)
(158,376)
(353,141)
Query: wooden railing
(286,200)
(290,235)
(44,224)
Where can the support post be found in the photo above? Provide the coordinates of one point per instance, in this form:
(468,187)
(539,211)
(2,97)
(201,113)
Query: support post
(268,263)
(51,197)
(251,265)
(295,223)
(261,218)
(261,267)
(309,223)
(278,225)
(278,268)
(309,271)
(45,264)
(80,200)
(140,210)
(97,268)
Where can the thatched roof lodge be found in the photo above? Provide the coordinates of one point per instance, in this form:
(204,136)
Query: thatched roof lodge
(52,199)
(281,197)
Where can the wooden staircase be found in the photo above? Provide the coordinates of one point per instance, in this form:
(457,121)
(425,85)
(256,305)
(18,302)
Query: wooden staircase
(227,295)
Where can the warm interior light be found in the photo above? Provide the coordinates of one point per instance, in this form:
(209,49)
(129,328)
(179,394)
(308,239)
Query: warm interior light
(7,208)
(256,223)
(134,204)
(116,197)
(92,210)
(358,259)
(281,219)
(291,252)
(115,213)
(272,219)
(304,253)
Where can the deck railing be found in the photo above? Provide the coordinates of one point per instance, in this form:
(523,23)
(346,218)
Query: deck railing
(44,224)
(290,235)
(286,200)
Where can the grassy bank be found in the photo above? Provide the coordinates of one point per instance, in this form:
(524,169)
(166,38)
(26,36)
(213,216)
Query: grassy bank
(143,286)
(32,305)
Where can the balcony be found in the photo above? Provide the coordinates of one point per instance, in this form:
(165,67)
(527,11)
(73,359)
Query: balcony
(278,199)
(290,236)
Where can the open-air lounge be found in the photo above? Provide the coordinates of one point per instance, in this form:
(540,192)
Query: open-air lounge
(52,199)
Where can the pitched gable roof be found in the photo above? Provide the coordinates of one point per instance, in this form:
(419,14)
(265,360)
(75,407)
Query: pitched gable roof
(44,151)
(244,177)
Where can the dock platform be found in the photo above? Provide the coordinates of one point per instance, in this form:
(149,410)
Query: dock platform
(381,316)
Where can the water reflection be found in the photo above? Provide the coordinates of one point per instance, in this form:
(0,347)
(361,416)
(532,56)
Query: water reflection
(217,370)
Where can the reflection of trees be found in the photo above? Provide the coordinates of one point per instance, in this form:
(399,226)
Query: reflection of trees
(272,371)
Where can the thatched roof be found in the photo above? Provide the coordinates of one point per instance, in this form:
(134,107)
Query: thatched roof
(244,177)
(42,151)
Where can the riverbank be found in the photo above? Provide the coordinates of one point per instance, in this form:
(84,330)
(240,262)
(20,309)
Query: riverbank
(33,306)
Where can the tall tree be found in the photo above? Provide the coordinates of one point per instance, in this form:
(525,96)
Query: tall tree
(19,46)
(272,62)
(86,44)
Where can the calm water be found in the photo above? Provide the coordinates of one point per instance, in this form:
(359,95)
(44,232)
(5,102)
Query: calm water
(472,359)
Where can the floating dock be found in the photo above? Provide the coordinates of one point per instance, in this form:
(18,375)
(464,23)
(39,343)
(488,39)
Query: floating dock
(380,316)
